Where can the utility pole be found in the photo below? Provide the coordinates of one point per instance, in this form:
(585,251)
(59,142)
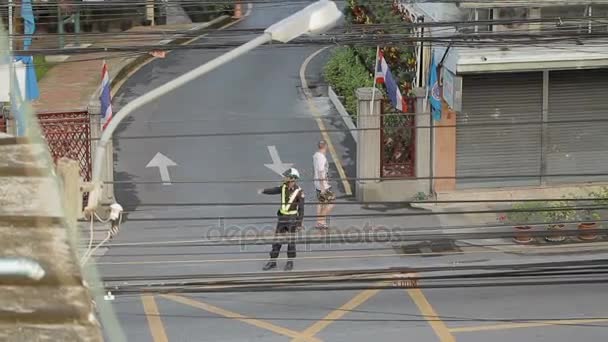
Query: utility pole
(10,50)
(10,26)
(18,27)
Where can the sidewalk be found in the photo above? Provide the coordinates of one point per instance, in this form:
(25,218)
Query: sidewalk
(488,222)
(72,83)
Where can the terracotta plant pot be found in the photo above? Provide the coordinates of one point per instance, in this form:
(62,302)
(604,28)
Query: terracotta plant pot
(584,234)
(522,235)
(555,233)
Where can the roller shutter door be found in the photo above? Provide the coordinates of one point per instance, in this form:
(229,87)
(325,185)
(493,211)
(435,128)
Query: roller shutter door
(493,134)
(577,147)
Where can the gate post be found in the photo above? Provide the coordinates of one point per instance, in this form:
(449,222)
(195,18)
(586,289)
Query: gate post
(424,142)
(238,9)
(69,172)
(107,195)
(368,143)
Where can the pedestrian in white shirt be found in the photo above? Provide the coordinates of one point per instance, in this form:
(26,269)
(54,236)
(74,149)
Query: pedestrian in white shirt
(321,181)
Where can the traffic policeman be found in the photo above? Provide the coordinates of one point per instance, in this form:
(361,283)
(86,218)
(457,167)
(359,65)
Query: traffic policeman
(290,215)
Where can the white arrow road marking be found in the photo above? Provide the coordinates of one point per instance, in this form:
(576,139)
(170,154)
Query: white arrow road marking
(277,166)
(162,163)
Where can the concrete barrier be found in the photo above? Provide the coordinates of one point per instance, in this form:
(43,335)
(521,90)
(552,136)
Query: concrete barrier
(348,121)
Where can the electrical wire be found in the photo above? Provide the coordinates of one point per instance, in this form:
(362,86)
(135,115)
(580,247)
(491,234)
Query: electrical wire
(496,40)
(376,236)
(373,271)
(365,203)
(473,280)
(502,125)
(370,215)
(404,177)
(353,28)
(286,279)
(482,249)
(365,229)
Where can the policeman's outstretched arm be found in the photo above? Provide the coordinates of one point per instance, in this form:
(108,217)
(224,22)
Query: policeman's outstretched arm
(270,191)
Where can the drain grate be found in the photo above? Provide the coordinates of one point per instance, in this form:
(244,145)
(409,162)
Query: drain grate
(430,248)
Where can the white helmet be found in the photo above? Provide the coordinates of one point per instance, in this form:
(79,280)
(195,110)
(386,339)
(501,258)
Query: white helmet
(291,173)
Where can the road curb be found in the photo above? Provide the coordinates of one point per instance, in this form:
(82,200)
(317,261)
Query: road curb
(508,246)
(348,120)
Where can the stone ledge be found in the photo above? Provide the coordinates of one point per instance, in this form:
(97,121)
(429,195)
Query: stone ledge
(48,246)
(29,196)
(22,156)
(48,333)
(44,304)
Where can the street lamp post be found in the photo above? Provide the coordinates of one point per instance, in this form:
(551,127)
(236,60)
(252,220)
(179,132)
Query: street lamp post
(313,19)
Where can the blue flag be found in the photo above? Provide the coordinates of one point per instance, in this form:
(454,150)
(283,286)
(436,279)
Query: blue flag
(31,83)
(434,91)
(27,13)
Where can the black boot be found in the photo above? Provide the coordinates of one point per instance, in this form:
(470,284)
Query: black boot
(270,265)
(289,265)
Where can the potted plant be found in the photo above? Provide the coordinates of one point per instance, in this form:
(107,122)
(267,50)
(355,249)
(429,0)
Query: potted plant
(556,218)
(522,216)
(588,221)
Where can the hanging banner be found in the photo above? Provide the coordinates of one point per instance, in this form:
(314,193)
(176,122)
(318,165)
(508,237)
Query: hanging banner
(452,89)
(434,91)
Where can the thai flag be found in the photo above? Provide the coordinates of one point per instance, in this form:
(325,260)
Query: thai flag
(383,75)
(105,98)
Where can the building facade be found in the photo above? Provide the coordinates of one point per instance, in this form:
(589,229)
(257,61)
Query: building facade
(526,115)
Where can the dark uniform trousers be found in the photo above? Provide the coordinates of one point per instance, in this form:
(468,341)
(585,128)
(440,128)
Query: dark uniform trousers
(287,224)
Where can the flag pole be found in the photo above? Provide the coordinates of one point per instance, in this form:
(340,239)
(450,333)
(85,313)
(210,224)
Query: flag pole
(371,105)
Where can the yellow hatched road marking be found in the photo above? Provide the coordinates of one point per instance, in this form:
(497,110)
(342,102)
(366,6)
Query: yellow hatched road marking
(507,326)
(157,329)
(335,315)
(234,315)
(438,326)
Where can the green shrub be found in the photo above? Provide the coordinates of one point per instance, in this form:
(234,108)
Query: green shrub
(345,73)
(554,216)
(524,213)
(400,57)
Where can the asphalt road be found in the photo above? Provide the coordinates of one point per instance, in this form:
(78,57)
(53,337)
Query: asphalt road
(261,92)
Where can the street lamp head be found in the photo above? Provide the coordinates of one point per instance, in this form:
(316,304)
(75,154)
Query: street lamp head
(316,18)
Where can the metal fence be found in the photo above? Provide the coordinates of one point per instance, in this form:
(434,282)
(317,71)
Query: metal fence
(398,141)
(2,124)
(68,134)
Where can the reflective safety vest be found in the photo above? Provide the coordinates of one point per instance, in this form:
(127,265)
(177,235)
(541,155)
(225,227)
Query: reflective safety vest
(285,205)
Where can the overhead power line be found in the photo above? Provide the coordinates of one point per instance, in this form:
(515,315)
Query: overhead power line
(370,215)
(305,179)
(503,125)
(598,21)
(365,203)
(456,40)
(517,266)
